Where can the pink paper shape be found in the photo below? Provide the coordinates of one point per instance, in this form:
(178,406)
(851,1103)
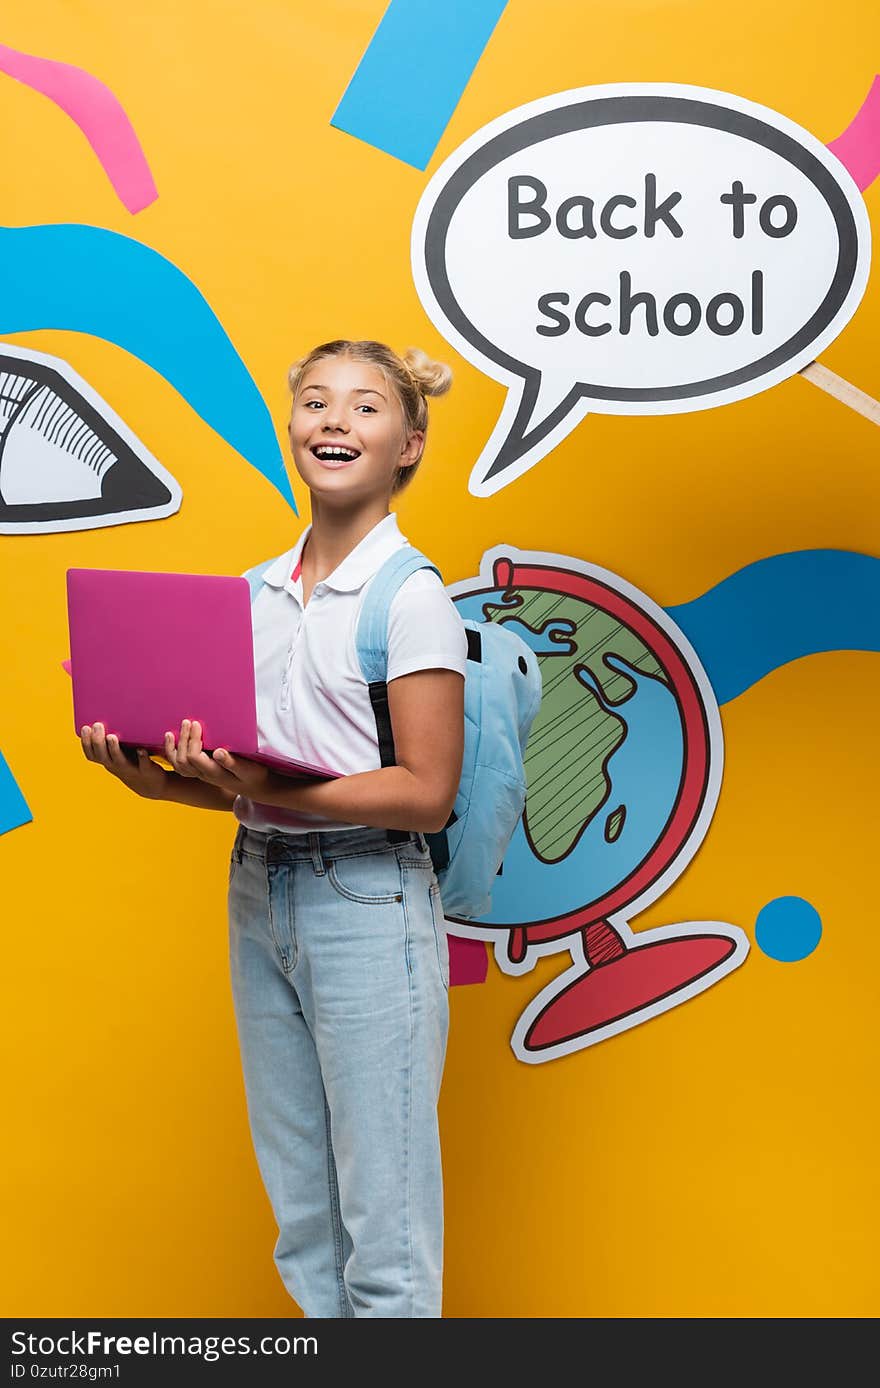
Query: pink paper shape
(66,664)
(858,148)
(468,961)
(99,115)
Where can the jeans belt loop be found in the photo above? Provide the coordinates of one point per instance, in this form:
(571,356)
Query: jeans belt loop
(317,855)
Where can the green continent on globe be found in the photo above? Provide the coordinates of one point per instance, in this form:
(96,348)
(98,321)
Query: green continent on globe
(576,732)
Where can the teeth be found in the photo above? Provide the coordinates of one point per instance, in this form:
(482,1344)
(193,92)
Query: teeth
(323,449)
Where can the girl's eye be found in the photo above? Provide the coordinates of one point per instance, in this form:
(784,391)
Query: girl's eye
(364,406)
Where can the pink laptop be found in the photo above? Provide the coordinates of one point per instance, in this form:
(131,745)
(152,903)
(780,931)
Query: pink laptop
(150,649)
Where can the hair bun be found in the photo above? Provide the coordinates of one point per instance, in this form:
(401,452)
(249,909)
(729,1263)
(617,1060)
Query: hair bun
(430,377)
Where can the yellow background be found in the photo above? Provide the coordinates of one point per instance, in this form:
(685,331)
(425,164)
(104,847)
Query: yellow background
(717,1161)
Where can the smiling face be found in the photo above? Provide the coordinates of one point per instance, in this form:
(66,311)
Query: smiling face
(347,431)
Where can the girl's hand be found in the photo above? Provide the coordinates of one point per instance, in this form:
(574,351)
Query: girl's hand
(144,777)
(238,774)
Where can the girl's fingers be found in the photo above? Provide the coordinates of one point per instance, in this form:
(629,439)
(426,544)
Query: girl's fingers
(99,744)
(209,768)
(117,761)
(125,764)
(92,738)
(185,758)
(185,741)
(188,759)
(182,740)
(115,754)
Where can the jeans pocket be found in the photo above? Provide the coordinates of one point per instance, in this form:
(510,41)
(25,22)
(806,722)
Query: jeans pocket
(440,936)
(369,878)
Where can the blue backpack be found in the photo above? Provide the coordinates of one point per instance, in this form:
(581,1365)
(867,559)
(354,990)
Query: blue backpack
(502,695)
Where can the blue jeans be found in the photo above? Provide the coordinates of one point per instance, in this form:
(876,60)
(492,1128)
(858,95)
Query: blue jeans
(340,976)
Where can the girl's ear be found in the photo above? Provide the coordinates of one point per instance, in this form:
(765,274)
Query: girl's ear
(414,445)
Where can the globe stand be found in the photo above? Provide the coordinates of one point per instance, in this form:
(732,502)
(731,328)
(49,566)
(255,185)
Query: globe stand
(623,982)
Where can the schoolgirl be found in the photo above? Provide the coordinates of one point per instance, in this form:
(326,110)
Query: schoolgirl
(338,951)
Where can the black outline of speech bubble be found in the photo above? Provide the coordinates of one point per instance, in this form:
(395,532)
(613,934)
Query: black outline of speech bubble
(618,110)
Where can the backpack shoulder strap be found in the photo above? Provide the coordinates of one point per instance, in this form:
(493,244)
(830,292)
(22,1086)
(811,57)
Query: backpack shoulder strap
(372,629)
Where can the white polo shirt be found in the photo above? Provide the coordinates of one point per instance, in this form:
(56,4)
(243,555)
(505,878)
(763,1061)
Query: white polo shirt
(312,699)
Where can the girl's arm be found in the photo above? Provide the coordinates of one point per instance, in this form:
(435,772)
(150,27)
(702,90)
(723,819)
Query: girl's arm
(181,790)
(427,718)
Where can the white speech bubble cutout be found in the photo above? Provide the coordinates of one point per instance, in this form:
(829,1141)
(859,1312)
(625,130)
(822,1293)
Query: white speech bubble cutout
(552,252)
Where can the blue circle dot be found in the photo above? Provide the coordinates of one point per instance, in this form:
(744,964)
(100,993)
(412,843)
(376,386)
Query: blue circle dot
(788,928)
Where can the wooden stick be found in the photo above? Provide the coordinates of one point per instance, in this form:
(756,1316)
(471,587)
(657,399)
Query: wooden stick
(842,390)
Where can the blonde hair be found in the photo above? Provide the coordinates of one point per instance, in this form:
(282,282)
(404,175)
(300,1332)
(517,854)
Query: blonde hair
(411,377)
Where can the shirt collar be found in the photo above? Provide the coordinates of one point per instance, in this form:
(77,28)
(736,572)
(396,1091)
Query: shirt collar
(367,557)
